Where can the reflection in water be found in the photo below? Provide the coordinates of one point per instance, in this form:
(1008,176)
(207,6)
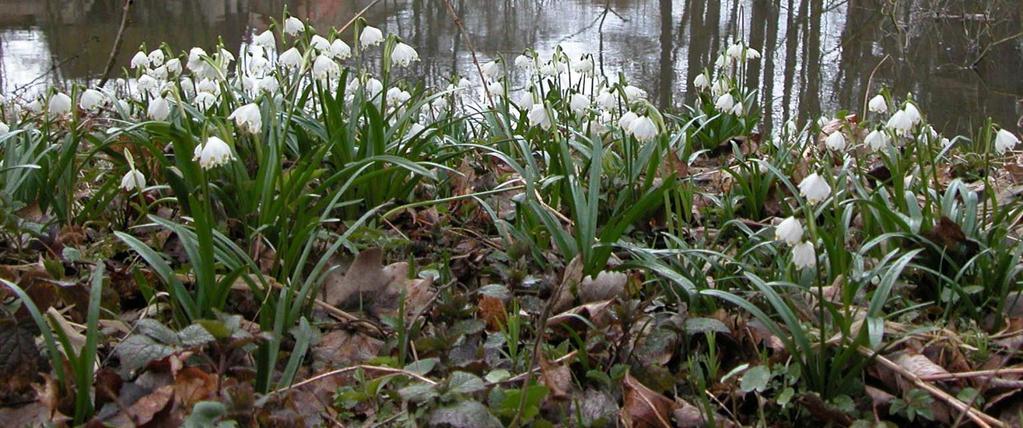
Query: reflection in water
(958,57)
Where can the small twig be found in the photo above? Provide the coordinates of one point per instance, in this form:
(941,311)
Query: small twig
(723,407)
(540,331)
(972,374)
(387,370)
(870,81)
(522,376)
(357,15)
(472,50)
(980,418)
(117,43)
(362,324)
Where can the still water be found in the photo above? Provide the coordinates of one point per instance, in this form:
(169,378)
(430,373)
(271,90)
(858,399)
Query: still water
(961,59)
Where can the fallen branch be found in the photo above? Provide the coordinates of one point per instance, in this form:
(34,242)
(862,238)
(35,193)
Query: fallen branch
(980,418)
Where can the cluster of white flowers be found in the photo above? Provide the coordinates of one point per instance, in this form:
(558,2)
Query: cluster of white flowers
(599,104)
(791,232)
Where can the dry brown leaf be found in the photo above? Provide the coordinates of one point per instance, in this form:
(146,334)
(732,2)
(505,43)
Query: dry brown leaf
(33,414)
(607,285)
(690,416)
(919,365)
(598,313)
(377,288)
(341,348)
(878,397)
(557,378)
(644,407)
(146,408)
(76,339)
(363,279)
(493,312)
(569,281)
(192,385)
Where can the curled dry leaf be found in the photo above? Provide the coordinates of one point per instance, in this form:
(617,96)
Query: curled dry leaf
(569,281)
(644,407)
(605,286)
(599,313)
(878,396)
(364,278)
(378,288)
(557,378)
(919,365)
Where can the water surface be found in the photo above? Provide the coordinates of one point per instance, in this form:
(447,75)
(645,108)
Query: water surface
(962,59)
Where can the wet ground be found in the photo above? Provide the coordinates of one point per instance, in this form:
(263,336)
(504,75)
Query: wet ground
(962,59)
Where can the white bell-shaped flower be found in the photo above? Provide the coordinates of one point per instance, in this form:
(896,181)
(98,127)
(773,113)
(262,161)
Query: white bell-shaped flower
(372,88)
(835,141)
(789,230)
(397,97)
(495,89)
(491,70)
(538,116)
(738,109)
(804,256)
(159,73)
(607,100)
(140,60)
(579,103)
(215,152)
(913,113)
(633,93)
(371,36)
(266,40)
(584,65)
(290,58)
(876,140)
(133,179)
(701,82)
(901,122)
(91,100)
(523,62)
(293,26)
(725,103)
(403,55)
(734,51)
(625,122)
(720,87)
(878,104)
(173,66)
(325,68)
(320,44)
(814,188)
(156,58)
(159,109)
(60,104)
(643,128)
(4,129)
(268,84)
(1005,141)
(340,50)
(248,118)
